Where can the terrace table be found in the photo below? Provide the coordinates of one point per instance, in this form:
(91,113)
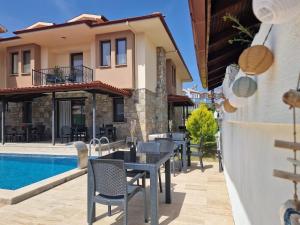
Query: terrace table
(150,162)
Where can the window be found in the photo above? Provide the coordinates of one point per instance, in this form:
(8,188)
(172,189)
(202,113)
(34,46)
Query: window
(105,53)
(14,63)
(121,50)
(27,112)
(26,62)
(174,76)
(118,108)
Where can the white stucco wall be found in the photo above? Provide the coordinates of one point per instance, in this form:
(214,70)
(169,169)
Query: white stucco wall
(249,134)
(145,63)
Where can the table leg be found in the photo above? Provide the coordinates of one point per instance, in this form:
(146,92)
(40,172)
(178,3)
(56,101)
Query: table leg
(91,209)
(184,156)
(168,181)
(154,196)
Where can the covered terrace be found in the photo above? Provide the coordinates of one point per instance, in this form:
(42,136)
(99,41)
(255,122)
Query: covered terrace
(30,93)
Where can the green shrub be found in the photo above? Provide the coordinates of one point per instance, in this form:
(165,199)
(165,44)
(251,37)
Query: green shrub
(201,123)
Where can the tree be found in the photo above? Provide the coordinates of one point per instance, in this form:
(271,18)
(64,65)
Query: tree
(202,123)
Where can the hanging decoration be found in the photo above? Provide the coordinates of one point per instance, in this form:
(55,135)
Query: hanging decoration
(231,71)
(276,11)
(255,60)
(292,98)
(228,107)
(290,214)
(244,87)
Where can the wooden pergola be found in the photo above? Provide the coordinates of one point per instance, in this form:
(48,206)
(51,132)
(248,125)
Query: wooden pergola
(212,33)
(29,93)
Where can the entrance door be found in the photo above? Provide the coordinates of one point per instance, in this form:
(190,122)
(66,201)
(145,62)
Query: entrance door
(65,114)
(76,67)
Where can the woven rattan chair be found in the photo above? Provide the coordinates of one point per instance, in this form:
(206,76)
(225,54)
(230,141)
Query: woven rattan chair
(110,187)
(167,145)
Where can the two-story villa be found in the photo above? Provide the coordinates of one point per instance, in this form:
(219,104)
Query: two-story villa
(91,71)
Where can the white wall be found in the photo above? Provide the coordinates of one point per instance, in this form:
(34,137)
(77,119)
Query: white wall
(249,134)
(145,63)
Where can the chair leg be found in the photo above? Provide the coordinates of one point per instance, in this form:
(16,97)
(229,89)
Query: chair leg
(91,213)
(159,179)
(173,165)
(200,159)
(109,210)
(126,213)
(145,206)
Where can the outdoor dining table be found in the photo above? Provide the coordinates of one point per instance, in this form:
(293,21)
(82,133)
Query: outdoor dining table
(149,162)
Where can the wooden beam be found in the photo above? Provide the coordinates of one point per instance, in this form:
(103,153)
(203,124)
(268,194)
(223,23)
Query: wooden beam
(216,77)
(53,118)
(220,8)
(286,175)
(287,145)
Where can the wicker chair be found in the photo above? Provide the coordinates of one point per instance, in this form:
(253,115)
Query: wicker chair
(110,187)
(167,145)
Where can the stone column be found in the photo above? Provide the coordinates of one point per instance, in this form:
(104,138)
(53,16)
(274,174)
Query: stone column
(161,92)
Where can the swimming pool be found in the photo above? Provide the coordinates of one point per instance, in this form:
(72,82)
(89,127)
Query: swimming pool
(20,170)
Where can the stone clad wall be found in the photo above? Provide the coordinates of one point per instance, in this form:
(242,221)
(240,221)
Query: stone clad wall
(161,92)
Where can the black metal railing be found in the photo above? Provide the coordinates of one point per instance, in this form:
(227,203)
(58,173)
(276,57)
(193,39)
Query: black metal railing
(62,75)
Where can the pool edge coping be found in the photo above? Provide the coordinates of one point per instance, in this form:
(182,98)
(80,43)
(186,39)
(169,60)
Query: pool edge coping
(10,197)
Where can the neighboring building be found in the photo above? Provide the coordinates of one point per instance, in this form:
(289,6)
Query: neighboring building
(248,135)
(199,97)
(54,70)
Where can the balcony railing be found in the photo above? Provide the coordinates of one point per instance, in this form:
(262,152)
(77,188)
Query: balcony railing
(62,75)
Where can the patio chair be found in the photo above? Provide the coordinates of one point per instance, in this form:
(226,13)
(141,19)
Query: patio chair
(66,133)
(167,145)
(10,133)
(147,147)
(110,187)
(20,134)
(200,150)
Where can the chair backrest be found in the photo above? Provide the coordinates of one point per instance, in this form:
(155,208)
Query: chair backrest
(66,130)
(178,136)
(166,144)
(152,137)
(148,147)
(109,177)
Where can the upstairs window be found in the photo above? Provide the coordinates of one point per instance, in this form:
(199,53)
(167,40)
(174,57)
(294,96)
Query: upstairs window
(105,51)
(173,76)
(14,63)
(118,108)
(26,66)
(121,51)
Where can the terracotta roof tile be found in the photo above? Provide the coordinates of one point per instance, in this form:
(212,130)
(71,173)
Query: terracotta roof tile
(96,86)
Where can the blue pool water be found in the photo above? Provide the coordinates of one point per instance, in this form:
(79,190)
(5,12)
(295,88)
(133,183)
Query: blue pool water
(20,170)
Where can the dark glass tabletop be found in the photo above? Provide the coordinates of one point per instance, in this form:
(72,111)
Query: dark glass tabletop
(138,158)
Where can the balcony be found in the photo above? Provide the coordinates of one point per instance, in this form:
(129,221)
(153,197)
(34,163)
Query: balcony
(62,75)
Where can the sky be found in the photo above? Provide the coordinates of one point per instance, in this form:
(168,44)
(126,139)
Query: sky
(18,14)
